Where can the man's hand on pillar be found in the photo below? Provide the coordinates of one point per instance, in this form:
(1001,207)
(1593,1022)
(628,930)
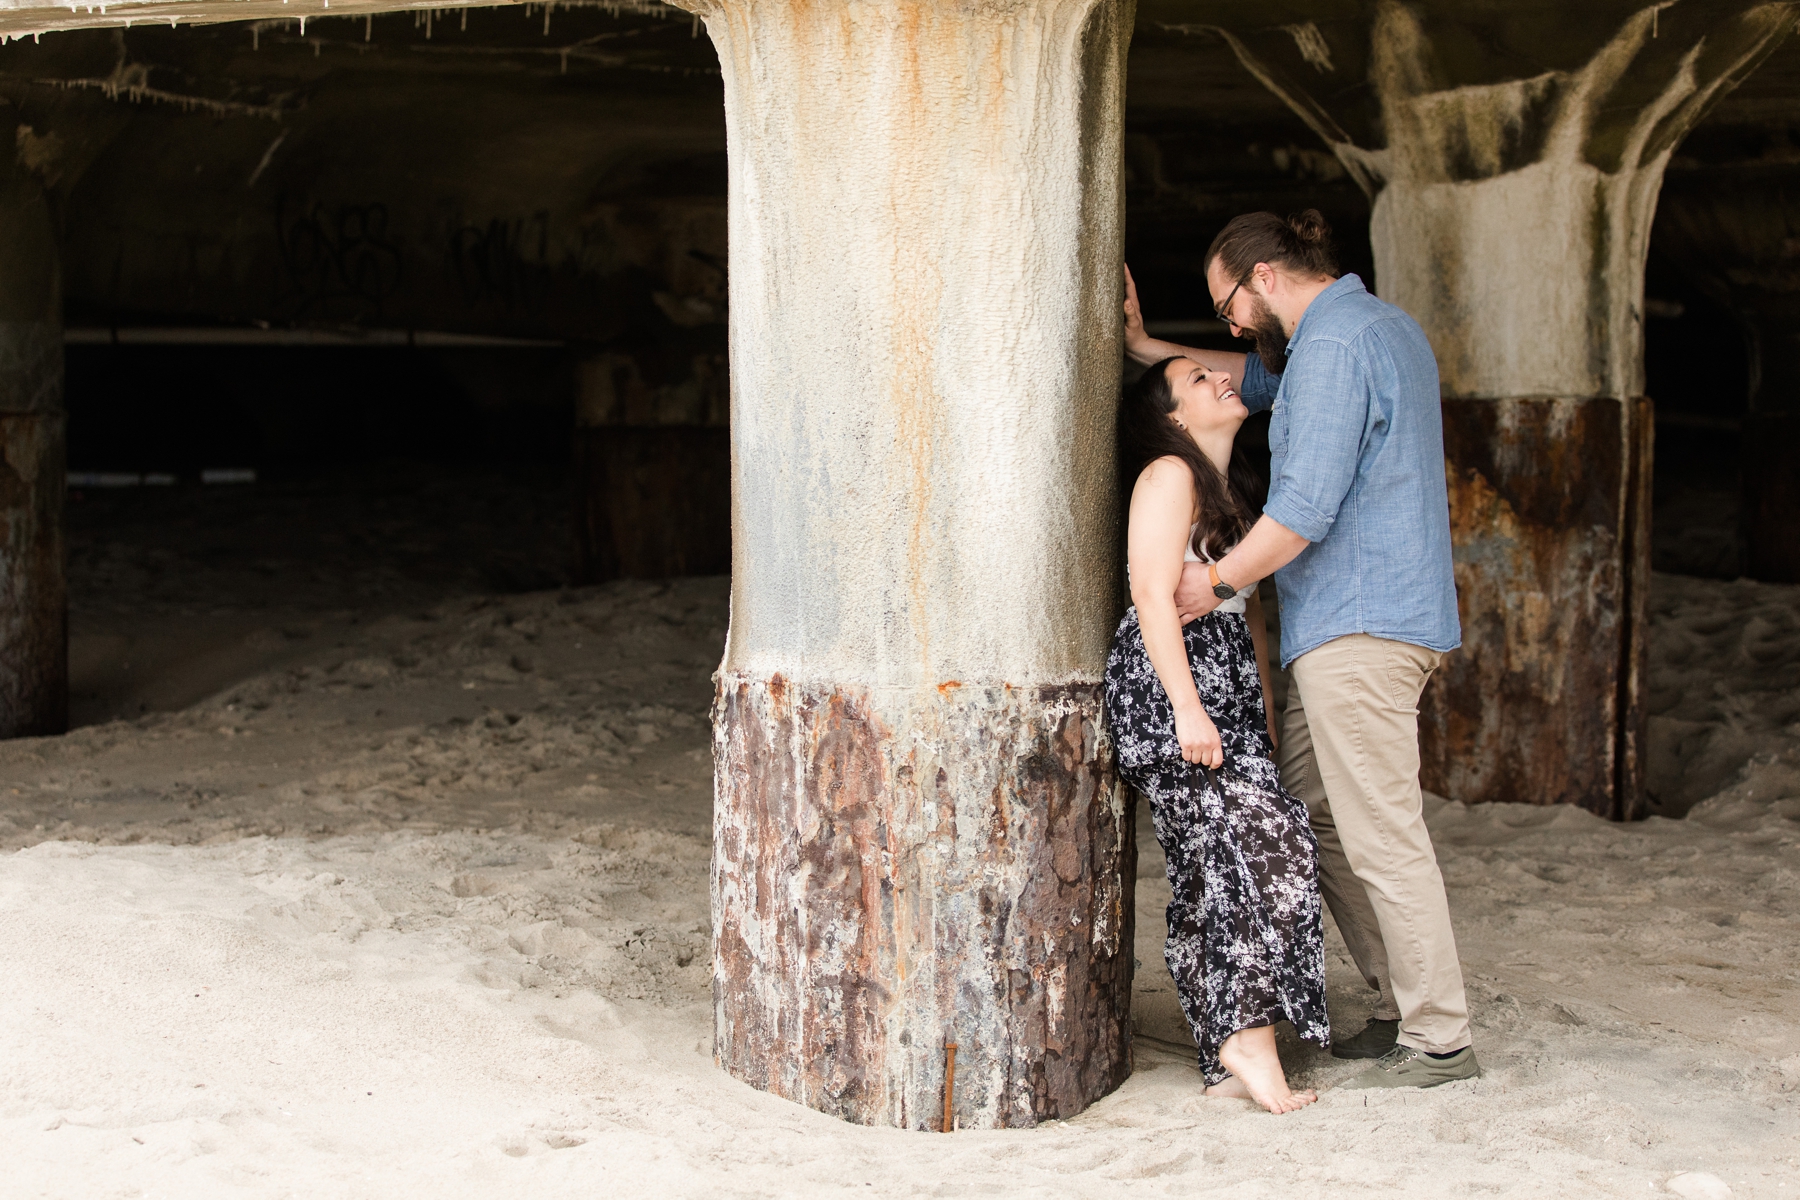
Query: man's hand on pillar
(1145,350)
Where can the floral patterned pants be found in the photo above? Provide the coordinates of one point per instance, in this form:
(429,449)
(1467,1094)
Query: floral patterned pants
(1246,946)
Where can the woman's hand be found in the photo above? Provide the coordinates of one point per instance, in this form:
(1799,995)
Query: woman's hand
(1274,736)
(1198,736)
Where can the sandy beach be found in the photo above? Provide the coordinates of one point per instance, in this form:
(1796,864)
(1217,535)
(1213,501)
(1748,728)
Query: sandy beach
(367,876)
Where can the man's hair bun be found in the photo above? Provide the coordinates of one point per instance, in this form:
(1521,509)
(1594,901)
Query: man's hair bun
(1311,227)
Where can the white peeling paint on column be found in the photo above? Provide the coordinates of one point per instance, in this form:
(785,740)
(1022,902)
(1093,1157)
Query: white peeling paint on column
(925,227)
(1527,284)
(1512,219)
(1530,281)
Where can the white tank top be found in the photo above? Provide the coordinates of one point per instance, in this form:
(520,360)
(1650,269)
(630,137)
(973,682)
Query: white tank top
(1240,599)
(1236,603)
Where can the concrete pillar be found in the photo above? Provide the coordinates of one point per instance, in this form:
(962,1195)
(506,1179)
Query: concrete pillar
(1511,217)
(919,838)
(34,660)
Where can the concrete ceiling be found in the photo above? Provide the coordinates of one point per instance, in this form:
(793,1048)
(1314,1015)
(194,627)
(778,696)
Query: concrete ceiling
(493,118)
(272,57)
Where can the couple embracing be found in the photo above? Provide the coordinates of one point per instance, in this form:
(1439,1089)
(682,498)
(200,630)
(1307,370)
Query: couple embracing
(1259,812)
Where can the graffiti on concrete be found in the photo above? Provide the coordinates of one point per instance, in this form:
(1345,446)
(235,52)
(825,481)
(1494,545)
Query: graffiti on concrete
(338,258)
(505,261)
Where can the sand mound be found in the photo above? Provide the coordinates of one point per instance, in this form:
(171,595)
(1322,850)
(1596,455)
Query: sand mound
(471,1014)
(1724,695)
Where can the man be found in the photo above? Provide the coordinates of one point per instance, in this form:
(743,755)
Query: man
(1356,532)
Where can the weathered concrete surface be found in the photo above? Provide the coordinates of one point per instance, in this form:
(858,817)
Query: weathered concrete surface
(1552,561)
(1511,211)
(33,599)
(891,876)
(1511,218)
(919,834)
(924,225)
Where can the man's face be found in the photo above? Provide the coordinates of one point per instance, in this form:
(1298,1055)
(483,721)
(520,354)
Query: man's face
(1247,311)
(1266,334)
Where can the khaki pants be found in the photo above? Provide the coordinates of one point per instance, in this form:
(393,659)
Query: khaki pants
(1350,752)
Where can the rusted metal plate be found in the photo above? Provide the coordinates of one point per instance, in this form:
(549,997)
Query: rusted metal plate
(34,661)
(652,501)
(1772,495)
(1550,523)
(1629,794)
(894,872)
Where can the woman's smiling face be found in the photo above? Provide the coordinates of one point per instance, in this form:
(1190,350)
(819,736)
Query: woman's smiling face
(1205,401)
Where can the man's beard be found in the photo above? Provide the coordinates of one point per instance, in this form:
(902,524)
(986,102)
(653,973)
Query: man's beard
(1265,333)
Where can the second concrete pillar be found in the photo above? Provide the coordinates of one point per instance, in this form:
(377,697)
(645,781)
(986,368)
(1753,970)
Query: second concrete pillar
(1511,217)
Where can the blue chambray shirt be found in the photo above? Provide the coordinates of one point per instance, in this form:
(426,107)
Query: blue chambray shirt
(1357,468)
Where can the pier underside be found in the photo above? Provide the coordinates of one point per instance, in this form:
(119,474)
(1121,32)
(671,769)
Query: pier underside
(511,368)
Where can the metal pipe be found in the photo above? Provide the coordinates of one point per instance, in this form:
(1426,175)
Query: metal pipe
(203,335)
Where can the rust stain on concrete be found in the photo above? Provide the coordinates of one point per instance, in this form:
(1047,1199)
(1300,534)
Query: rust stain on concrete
(891,872)
(1549,519)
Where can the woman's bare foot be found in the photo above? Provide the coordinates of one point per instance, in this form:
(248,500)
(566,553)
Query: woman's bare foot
(1228,1088)
(1250,1056)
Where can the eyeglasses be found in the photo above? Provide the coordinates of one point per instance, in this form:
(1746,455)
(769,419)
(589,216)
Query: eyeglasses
(1224,308)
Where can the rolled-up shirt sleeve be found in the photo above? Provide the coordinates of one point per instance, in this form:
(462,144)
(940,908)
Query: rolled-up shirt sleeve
(1258,386)
(1326,400)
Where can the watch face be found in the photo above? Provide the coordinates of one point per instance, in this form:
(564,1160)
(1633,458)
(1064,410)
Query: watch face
(1224,591)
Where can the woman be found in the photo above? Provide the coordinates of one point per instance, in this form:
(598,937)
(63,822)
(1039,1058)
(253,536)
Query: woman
(1190,715)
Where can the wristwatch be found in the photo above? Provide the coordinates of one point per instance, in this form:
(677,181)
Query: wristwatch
(1221,589)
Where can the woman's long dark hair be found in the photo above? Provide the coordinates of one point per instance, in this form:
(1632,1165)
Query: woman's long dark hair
(1228,503)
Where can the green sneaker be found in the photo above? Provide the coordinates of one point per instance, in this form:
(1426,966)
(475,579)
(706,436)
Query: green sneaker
(1376,1039)
(1405,1067)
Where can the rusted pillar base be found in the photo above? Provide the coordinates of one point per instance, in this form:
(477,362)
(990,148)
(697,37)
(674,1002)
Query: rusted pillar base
(1549,509)
(34,625)
(652,501)
(1772,495)
(34,645)
(894,871)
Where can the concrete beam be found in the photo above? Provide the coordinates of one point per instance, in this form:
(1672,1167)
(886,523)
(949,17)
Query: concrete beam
(27,18)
